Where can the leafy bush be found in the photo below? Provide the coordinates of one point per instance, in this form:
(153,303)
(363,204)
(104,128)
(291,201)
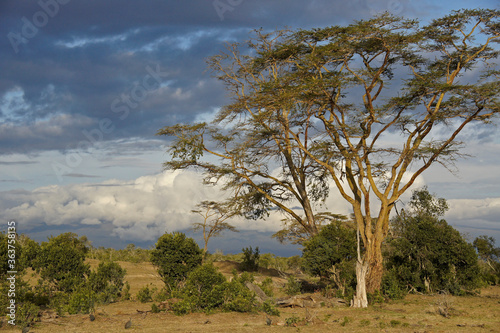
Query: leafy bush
(107,281)
(250,259)
(27,314)
(175,256)
(391,286)
(144,295)
(126,292)
(203,289)
(334,244)
(269,308)
(61,261)
(292,286)
(206,289)
(430,255)
(82,300)
(267,286)
(155,308)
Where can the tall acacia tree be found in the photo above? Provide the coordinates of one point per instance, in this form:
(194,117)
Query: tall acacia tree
(339,96)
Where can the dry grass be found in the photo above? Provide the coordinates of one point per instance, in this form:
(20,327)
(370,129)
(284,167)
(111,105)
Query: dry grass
(415,313)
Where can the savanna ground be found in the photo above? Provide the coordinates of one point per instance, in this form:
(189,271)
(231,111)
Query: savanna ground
(415,313)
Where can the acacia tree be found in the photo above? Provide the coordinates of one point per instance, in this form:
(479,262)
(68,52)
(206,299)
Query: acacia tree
(324,98)
(214,216)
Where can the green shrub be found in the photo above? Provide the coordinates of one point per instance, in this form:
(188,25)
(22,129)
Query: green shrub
(204,288)
(250,259)
(107,281)
(335,243)
(26,314)
(346,321)
(144,295)
(364,323)
(292,286)
(292,321)
(155,308)
(175,256)
(61,261)
(126,292)
(391,287)
(237,296)
(267,286)
(269,308)
(81,300)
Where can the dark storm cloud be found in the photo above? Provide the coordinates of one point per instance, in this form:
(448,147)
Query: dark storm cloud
(65,62)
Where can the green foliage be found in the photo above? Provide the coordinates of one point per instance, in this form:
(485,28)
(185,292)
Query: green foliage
(26,314)
(334,244)
(267,286)
(61,262)
(30,251)
(145,294)
(364,323)
(292,321)
(155,308)
(486,249)
(130,253)
(346,321)
(81,300)
(206,289)
(175,256)
(107,281)
(126,292)
(250,259)
(391,287)
(292,286)
(270,308)
(490,259)
(430,255)
(203,288)
(331,255)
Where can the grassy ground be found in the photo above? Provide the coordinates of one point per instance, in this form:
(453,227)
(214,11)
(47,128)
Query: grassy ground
(415,313)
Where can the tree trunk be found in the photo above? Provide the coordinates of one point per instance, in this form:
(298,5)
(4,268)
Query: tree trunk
(360,300)
(376,268)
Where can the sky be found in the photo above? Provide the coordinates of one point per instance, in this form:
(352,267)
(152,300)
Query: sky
(86,84)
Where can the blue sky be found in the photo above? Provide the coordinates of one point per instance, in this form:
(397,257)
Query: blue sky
(85,85)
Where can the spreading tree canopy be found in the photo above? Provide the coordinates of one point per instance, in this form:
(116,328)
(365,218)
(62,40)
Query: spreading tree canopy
(368,107)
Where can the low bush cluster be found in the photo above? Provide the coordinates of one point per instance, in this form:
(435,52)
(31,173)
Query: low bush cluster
(66,284)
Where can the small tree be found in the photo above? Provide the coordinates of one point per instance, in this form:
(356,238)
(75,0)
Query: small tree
(331,253)
(214,215)
(490,257)
(427,254)
(61,262)
(107,281)
(175,256)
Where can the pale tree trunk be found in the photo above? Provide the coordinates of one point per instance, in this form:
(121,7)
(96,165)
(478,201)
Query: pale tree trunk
(360,299)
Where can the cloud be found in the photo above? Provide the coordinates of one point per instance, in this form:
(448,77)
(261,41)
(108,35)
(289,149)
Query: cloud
(141,209)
